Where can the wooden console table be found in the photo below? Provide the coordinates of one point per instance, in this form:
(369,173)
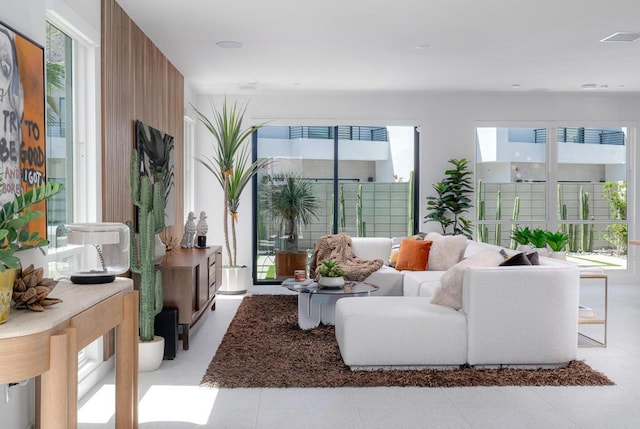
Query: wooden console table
(190,279)
(45,345)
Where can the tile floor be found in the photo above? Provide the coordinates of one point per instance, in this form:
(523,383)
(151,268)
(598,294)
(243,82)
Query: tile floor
(171,398)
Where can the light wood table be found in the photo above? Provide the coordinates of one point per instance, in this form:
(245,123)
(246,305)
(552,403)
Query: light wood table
(45,345)
(593,319)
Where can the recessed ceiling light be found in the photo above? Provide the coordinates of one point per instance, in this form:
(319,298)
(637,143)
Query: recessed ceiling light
(589,86)
(423,46)
(516,85)
(622,36)
(229,44)
(604,86)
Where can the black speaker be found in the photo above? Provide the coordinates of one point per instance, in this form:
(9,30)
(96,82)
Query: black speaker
(167,327)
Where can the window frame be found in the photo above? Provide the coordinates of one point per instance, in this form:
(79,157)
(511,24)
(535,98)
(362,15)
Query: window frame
(551,165)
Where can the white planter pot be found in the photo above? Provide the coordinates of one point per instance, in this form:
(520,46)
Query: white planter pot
(331,282)
(558,255)
(150,354)
(235,280)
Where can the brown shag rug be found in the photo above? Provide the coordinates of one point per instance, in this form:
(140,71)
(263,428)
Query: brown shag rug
(264,347)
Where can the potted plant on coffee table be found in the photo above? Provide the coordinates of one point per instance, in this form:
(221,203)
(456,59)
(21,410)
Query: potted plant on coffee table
(330,275)
(230,166)
(290,200)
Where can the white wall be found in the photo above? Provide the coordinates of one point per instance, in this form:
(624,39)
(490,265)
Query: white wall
(447,122)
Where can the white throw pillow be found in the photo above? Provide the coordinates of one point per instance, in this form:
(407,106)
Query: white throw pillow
(446,250)
(449,292)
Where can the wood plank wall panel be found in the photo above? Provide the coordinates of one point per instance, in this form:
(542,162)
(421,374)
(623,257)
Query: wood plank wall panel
(138,83)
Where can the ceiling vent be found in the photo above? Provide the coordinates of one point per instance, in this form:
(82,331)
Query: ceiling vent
(622,36)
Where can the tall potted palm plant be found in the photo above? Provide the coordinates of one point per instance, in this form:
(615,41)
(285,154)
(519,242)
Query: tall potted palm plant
(230,166)
(291,201)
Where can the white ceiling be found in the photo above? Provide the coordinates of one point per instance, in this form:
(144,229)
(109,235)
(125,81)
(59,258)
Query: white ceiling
(371,45)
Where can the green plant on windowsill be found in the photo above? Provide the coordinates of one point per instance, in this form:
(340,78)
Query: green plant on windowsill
(557,240)
(15,217)
(330,268)
(538,238)
(521,235)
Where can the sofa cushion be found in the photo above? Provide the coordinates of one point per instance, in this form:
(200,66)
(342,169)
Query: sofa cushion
(388,280)
(413,280)
(449,292)
(446,250)
(517,259)
(399,331)
(534,258)
(414,255)
(371,248)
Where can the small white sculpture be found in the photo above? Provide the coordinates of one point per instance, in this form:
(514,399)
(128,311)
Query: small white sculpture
(202,227)
(189,231)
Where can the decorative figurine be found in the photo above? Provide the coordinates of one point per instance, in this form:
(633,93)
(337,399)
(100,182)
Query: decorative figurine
(189,231)
(201,230)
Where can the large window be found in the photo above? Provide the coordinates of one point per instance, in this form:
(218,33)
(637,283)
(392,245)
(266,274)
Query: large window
(60,136)
(558,178)
(71,69)
(362,178)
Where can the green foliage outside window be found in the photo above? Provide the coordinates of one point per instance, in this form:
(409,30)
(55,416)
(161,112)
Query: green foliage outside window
(616,194)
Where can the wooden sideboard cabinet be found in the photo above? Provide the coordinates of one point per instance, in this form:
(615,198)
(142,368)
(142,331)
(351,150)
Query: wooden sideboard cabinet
(190,280)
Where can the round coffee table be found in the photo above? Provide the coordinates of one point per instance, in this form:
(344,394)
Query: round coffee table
(318,305)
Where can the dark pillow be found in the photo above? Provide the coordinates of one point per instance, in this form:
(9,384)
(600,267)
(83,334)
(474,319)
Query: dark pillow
(533,258)
(517,259)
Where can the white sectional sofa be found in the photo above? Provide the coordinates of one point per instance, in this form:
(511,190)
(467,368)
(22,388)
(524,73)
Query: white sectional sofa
(516,315)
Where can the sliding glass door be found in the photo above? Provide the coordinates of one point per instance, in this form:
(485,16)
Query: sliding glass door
(354,179)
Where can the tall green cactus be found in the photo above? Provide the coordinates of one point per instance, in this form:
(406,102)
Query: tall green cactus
(359,221)
(481,229)
(514,217)
(149,200)
(411,204)
(587,230)
(567,228)
(498,232)
(343,214)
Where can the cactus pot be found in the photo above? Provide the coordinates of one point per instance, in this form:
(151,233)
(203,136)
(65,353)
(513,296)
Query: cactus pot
(150,354)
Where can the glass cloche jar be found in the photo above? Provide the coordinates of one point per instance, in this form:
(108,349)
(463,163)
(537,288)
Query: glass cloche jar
(91,253)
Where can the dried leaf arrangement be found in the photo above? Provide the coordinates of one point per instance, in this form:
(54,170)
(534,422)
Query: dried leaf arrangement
(171,244)
(31,290)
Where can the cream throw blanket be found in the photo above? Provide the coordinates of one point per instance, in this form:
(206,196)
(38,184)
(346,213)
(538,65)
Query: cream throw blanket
(338,248)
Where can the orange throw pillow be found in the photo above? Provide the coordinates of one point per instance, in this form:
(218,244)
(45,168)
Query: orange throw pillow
(414,255)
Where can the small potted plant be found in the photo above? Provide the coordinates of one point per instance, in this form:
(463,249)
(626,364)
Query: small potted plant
(15,217)
(557,242)
(330,274)
(538,238)
(521,236)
